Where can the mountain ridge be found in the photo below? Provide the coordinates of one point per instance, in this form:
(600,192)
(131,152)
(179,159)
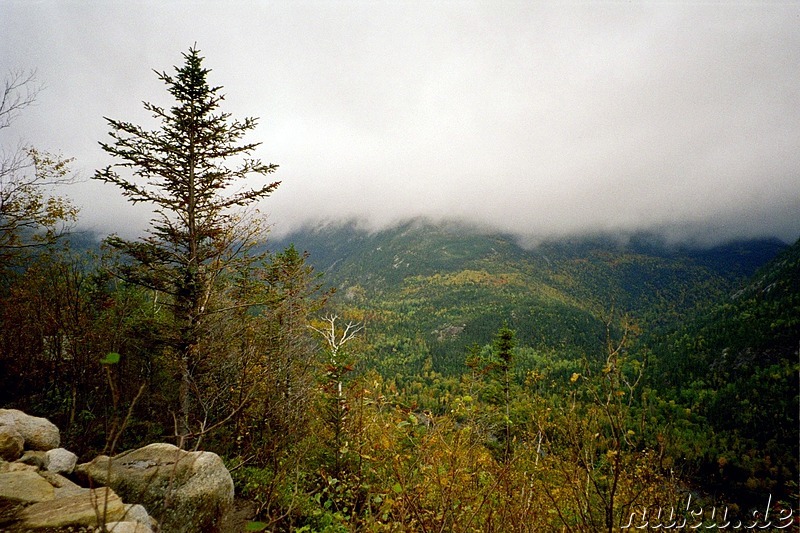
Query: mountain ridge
(419,279)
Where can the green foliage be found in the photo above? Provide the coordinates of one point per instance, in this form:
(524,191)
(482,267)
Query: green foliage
(111,358)
(276,360)
(66,323)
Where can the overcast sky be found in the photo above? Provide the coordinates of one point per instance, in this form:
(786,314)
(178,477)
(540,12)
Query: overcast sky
(538,118)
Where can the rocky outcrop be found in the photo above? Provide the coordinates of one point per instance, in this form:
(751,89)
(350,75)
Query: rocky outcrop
(42,488)
(188,491)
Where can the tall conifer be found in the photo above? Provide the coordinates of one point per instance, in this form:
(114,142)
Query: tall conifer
(190,170)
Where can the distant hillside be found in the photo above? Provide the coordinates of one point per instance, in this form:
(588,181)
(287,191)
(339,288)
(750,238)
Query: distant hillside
(737,368)
(756,324)
(432,290)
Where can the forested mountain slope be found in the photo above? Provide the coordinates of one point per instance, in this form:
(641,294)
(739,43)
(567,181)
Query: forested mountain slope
(431,290)
(737,368)
(721,325)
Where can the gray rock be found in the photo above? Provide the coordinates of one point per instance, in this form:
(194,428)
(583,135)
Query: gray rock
(185,491)
(11,443)
(61,461)
(39,433)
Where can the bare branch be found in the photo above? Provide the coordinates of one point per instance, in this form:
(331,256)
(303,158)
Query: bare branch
(29,214)
(19,91)
(330,336)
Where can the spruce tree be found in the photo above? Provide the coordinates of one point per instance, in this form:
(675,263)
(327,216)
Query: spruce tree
(190,169)
(504,344)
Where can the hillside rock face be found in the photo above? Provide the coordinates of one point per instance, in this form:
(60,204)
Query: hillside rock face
(187,491)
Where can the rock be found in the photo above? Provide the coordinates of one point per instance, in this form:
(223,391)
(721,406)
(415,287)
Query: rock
(78,510)
(25,486)
(71,490)
(61,461)
(34,457)
(128,527)
(11,443)
(64,487)
(39,433)
(137,513)
(16,467)
(186,491)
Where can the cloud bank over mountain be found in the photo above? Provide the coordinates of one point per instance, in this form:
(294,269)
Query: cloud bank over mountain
(532,119)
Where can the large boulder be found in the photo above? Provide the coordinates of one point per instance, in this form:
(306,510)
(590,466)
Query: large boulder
(185,491)
(34,495)
(39,433)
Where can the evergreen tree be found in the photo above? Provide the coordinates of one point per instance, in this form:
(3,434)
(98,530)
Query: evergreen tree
(186,170)
(504,343)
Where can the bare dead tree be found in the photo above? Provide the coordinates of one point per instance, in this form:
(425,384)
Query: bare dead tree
(337,366)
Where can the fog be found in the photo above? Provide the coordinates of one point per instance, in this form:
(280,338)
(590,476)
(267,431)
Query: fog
(536,119)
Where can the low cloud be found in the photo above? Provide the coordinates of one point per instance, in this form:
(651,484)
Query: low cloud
(536,120)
